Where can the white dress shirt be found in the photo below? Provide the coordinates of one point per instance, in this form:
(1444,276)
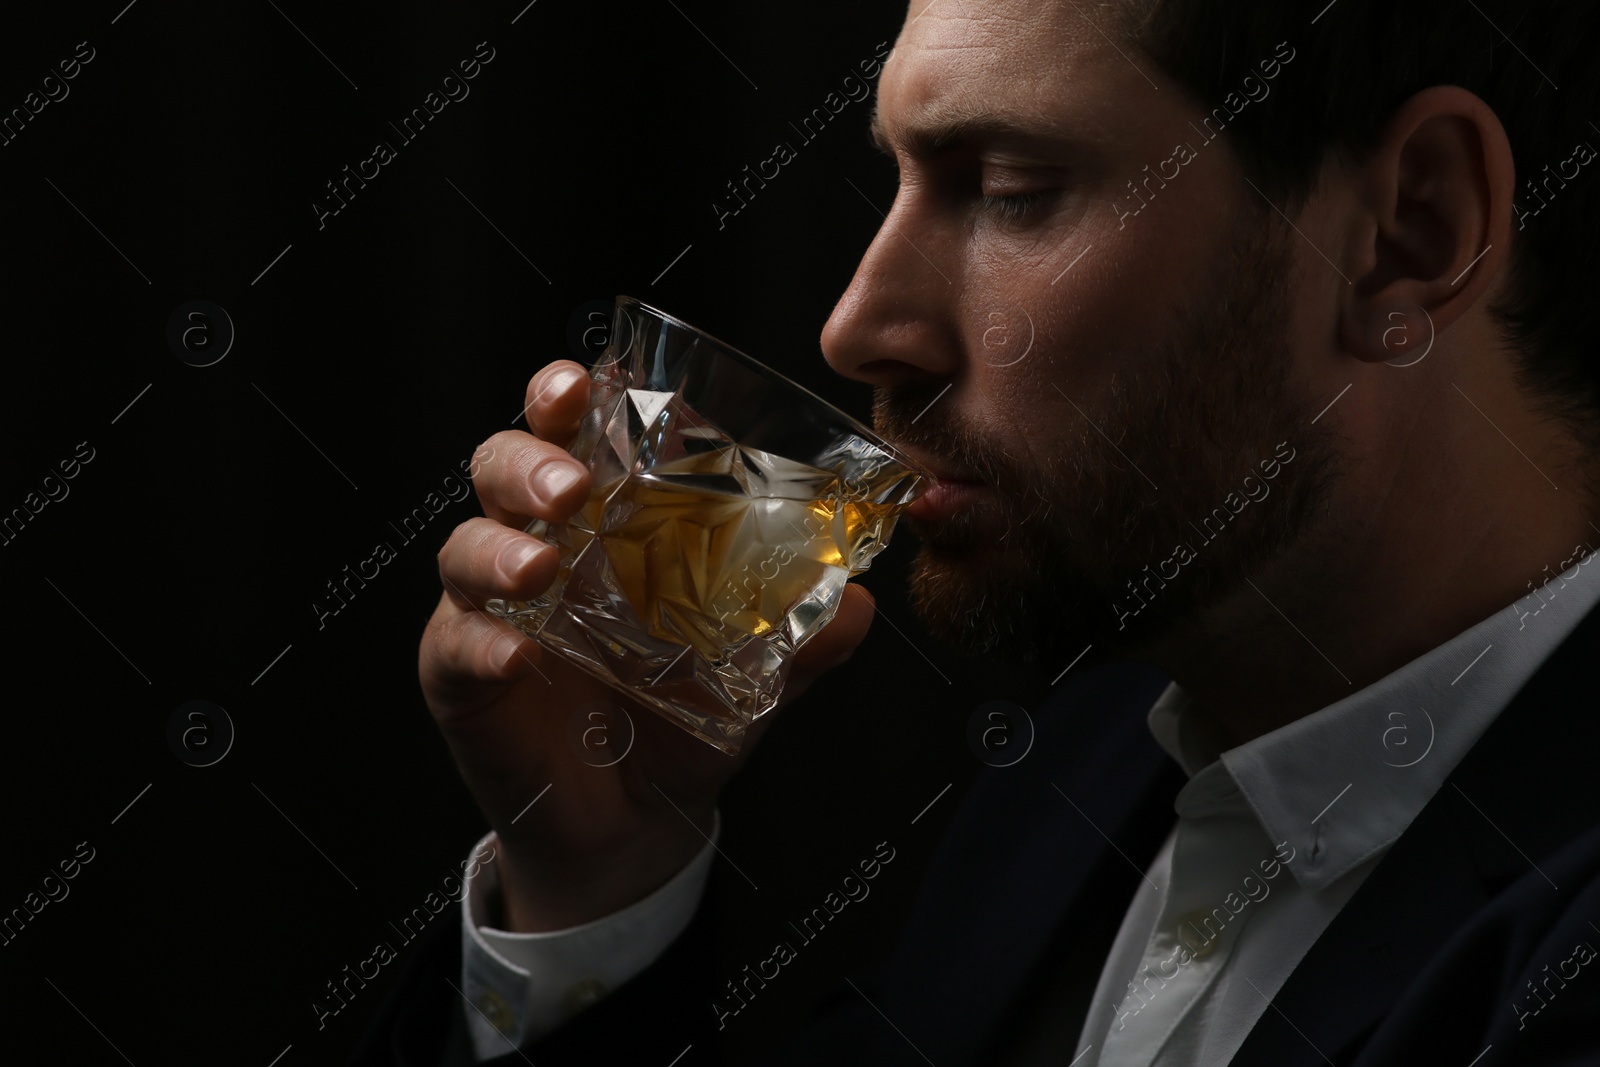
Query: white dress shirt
(1273,838)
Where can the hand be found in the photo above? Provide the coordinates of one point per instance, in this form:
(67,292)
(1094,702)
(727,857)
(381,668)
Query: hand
(600,838)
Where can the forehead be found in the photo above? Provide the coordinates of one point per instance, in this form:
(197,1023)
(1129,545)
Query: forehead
(1057,65)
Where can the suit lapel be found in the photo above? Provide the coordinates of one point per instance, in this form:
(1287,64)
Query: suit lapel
(1016,859)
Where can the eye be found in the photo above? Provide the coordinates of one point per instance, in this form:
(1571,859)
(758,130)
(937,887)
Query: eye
(1011,209)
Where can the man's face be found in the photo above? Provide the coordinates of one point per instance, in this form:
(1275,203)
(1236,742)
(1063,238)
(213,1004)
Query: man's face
(1121,384)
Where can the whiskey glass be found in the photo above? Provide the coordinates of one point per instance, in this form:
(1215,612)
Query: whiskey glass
(729,505)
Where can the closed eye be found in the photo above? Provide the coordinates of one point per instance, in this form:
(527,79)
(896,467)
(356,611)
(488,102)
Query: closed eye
(1012,209)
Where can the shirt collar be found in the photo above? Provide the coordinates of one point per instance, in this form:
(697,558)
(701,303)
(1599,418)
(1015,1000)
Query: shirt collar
(1341,784)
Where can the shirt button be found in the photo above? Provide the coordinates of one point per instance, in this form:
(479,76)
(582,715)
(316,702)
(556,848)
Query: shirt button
(497,1011)
(581,995)
(1192,933)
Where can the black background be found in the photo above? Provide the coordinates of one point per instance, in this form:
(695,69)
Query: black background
(369,361)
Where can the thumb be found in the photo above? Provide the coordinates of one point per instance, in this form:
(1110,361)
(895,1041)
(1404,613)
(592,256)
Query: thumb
(836,642)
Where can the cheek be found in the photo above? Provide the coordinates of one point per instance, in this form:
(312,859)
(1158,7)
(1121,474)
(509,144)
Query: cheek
(1124,298)
(1091,325)
(1131,293)
(1002,338)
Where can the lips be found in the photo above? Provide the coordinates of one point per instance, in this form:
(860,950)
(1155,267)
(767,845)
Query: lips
(953,490)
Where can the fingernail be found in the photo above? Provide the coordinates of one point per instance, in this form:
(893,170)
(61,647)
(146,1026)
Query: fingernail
(506,652)
(553,479)
(514,557)
(561,381)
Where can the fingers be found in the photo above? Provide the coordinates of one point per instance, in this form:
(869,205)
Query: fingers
(556,399)
(466,659)
(525,477)
(484,559)
(522,476)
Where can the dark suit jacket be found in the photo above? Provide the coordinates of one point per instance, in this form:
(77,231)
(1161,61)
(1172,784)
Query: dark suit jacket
(1480,904)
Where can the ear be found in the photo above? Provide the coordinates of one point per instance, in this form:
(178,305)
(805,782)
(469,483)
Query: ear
(1439,187)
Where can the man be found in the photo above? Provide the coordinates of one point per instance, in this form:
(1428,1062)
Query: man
(1308,422)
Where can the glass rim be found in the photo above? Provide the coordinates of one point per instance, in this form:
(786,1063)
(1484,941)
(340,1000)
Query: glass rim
(862,430)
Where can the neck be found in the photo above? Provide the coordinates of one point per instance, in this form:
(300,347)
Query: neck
(1394,570)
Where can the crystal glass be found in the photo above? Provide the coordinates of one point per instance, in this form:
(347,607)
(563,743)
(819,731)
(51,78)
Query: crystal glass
(729,506)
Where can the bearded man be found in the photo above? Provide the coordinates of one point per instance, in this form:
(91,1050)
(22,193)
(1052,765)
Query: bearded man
(1301,448)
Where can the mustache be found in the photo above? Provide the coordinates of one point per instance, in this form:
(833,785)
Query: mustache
(913,417)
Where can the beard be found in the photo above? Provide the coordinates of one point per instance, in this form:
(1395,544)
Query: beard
(1092,529)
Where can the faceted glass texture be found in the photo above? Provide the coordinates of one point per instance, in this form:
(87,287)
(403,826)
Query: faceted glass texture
(728,507)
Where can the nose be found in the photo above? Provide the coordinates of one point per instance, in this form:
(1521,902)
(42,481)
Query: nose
(895,323)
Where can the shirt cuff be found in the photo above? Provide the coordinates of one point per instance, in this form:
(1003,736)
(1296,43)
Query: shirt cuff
(519,987)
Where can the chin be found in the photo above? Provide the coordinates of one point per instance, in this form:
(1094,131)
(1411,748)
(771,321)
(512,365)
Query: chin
(968,597)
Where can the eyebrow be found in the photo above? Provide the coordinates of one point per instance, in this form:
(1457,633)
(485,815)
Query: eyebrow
(947,132)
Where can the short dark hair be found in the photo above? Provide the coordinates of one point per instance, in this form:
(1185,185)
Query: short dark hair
(1355,63)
